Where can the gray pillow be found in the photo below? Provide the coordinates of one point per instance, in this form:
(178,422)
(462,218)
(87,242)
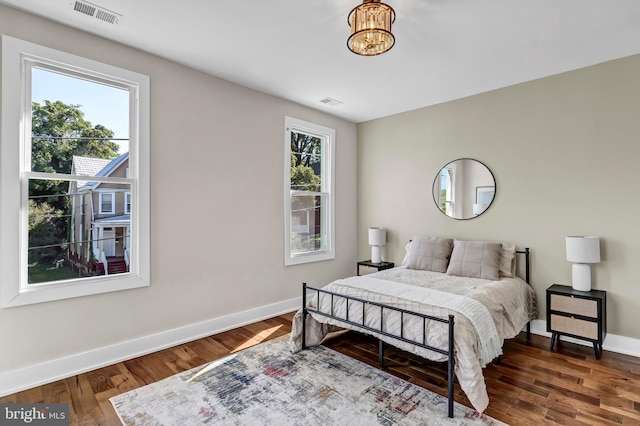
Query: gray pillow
(429,253)
(508,260)
(475,259)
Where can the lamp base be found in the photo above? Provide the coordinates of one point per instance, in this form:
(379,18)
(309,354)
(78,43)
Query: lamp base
(376,254)
(581,276)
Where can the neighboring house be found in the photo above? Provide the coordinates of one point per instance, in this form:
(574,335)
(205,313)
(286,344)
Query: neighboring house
(306,218)
(100,216)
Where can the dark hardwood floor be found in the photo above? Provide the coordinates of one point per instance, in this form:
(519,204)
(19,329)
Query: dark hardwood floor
(530,385)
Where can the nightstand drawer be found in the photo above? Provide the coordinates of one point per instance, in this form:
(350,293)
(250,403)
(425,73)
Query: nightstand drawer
(574,305)
(365,270)
(577,327)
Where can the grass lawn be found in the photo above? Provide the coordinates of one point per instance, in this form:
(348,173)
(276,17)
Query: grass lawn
(44,273)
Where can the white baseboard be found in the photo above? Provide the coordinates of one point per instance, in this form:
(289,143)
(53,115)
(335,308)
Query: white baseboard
(612,342)
(50,371)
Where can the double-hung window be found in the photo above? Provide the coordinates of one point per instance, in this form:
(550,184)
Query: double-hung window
(309,232)
(106,202)
(64,170)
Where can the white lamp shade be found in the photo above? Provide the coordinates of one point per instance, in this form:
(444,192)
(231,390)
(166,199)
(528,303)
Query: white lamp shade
(377,236)
(583,249)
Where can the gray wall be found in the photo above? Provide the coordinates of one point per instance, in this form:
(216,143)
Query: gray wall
(564,151)
(217,164)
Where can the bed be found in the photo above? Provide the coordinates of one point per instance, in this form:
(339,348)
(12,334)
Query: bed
(451,300)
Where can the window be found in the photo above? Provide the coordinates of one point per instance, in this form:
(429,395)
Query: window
(106,201)
(447,190)
(62,166)
(309,188)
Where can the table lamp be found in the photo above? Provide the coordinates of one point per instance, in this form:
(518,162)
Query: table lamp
(582,251)
(377,238)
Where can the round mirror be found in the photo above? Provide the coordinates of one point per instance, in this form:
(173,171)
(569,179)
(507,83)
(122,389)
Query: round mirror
(464,188)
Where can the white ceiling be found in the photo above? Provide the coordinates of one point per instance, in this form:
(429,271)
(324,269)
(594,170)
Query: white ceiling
(296,49)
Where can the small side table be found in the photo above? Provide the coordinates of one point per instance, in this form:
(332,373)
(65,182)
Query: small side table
(366,267)
(579,314)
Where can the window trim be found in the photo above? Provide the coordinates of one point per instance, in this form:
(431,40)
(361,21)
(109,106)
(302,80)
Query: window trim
(16,99)
(127,200)
(328,136)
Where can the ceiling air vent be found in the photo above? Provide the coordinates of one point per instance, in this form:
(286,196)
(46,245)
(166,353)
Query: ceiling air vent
(331,102)
(95,11)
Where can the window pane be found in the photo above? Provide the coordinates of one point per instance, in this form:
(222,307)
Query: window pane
(67,219)
(307,223)
(48,232)
(306,162)
(73,116)
(68,239)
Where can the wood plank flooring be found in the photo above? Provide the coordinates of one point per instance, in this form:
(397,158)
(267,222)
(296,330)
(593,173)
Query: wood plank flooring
(529,386)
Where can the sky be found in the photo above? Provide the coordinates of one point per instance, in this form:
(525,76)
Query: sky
(101,104)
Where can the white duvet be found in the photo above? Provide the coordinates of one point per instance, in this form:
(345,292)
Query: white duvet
(486,312)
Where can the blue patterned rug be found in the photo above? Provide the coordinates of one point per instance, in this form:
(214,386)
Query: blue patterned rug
(268,385)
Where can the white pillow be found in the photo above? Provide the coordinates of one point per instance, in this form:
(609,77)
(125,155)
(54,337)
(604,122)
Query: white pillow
(406,253)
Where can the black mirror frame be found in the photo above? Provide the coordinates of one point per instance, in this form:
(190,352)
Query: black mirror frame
(436,201)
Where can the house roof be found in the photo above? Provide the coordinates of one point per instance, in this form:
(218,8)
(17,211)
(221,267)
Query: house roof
(89,166)
(113,165)
(121,220)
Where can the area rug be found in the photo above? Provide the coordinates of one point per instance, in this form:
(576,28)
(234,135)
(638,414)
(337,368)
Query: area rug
(268,385)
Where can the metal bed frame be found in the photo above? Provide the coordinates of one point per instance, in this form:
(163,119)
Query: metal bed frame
(450,321)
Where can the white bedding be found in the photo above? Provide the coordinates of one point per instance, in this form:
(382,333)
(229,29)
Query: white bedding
(486,312)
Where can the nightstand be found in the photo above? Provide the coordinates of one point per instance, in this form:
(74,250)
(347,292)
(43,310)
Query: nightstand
(367,267)
(579,314)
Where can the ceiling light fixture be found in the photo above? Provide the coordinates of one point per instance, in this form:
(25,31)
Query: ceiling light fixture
(371,28)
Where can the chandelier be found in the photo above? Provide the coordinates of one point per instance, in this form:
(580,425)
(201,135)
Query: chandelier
(370,25)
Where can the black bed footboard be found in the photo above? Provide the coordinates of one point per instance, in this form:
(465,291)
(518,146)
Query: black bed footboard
(380,330)
(402,312)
